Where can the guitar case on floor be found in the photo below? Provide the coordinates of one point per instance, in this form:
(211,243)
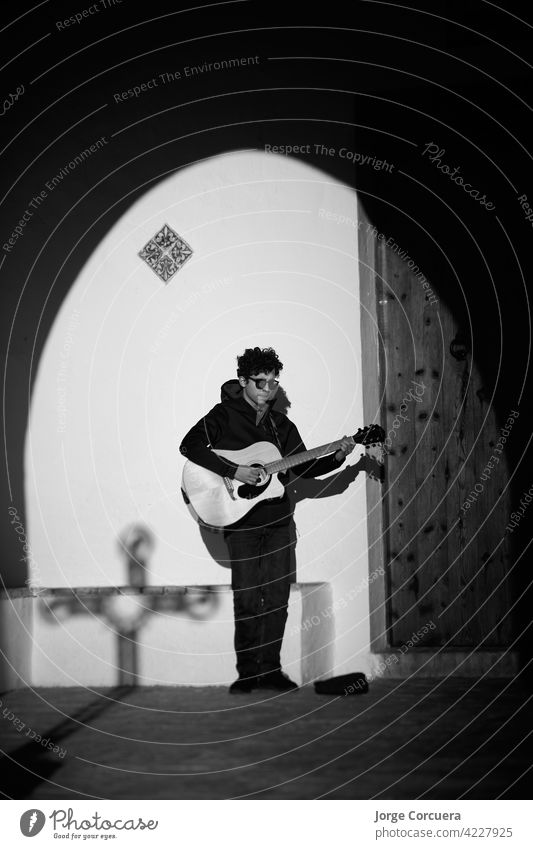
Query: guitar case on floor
(352,684)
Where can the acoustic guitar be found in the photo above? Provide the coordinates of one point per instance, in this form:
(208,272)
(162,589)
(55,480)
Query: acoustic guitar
(218,501)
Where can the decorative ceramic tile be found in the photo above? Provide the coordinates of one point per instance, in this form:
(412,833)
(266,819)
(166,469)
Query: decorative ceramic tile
(166,253)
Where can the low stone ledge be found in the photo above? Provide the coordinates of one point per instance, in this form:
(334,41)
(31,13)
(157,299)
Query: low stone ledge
(101,636)
(40,592)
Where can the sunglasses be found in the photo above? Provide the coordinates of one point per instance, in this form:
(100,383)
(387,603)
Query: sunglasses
(261,382)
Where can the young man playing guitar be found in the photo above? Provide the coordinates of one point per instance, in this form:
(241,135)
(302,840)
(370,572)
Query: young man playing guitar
(259,542)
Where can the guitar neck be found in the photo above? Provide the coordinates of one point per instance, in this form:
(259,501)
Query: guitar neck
(295,459)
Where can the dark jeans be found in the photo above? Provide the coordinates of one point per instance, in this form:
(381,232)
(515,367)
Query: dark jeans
(260,579)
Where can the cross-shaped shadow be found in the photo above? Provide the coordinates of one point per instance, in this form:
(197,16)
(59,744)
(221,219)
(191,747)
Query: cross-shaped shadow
(125,610)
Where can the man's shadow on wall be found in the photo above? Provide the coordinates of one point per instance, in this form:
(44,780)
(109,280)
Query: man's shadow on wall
(297,490)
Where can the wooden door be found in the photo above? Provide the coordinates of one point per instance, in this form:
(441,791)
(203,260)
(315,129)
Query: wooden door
(444,563)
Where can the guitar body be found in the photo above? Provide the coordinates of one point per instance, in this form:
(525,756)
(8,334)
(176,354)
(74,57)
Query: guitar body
(219,501)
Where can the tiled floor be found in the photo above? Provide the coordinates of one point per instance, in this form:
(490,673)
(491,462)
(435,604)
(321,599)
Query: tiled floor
(403,740)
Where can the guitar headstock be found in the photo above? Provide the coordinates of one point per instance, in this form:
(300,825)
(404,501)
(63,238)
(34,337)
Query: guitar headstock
(369,435)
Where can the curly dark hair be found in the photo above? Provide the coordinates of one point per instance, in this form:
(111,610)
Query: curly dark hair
(256,360)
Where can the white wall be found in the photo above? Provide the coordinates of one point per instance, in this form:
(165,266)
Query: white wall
(132,363)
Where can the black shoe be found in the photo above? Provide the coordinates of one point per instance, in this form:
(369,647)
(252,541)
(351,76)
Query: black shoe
(243,685)
(276,680)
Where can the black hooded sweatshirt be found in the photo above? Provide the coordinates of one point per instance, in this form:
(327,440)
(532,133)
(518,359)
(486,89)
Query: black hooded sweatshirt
(232,425)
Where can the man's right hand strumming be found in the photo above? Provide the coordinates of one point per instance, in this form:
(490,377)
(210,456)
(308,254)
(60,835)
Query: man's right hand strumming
(247,474)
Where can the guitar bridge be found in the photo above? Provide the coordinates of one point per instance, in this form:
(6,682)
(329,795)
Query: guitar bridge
(229,487)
